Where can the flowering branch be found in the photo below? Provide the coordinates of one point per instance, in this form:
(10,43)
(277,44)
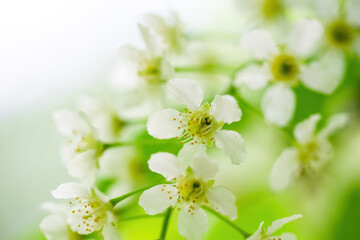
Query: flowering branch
(241,231)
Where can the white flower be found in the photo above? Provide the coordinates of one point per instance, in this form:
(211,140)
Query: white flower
(341,23)
(145,69)
(165,34)
(284,66)
(267,234)
(90,209)
(199,124)
(55,226)
(82,148)
(309,156)
(191,189)
(102,118)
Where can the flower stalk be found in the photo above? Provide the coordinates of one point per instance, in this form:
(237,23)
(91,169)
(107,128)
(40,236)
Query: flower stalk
(233,225)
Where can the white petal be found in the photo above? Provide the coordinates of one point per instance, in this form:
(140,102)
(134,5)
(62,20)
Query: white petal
(162,125)
(277,224)
(288,236)
(84,165)
(327,9)
(285,169)
(70,190)
(254,77)
(223,201)
(109,232)
(203,166)
(333,124)
(353,9)
(156,199)
(278,104)
(304,36)
(165,164)
(305,130)
(325,74)
(257,234)
(192,227)
(69,123)
(187,153)
(55,227)
(187,92)
(154,42)
(225,108)
(259,43)
(232,144)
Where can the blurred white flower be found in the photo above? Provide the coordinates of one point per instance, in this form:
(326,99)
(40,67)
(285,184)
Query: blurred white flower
(140,76)
(341,23)
(284,66)
(267,234)
(309,156)
(165,34)
(102,118)
(82,148)
(199,124)
(55,226)
(90,209)
(193,175)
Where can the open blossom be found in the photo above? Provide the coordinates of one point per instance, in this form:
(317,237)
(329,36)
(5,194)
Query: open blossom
(193,175)
(167,32)
(89,209)
(82,148)
(341,21)
(309,156)
(199,124)
(267,234)
(284,66)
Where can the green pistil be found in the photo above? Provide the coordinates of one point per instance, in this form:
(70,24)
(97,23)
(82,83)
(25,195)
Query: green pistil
(285,68)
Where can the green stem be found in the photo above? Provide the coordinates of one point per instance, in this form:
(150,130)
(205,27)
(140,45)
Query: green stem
(116,200)
(165,224)
(213,67)
(130,143)
(233,225)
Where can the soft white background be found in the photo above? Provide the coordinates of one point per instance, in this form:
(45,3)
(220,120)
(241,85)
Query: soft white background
(50,51)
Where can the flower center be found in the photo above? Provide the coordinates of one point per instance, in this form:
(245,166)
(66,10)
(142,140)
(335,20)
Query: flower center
(152,71)
(308,152)
(271,8)
(285,67)
(88,215)
(199,126)
(340,34)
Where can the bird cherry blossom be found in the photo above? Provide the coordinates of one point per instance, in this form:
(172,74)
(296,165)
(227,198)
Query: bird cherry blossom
(82,148)
(341,23)
(267,234)
(311,153)
(199,124)
(90,210)
(284,66)
(192,174)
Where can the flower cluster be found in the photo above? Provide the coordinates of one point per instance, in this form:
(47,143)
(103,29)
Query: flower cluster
(171,125)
